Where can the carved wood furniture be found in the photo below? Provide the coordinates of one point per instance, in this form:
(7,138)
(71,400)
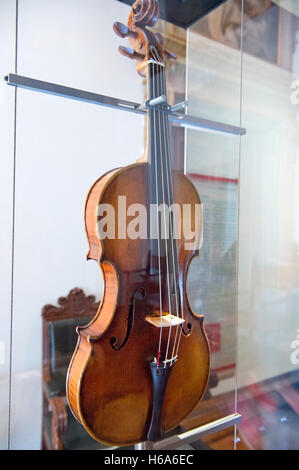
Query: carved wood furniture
(60,430)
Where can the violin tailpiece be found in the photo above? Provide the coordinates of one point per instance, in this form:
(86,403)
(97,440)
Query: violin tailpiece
(160,376)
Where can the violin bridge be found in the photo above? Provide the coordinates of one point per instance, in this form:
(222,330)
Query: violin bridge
(164,320)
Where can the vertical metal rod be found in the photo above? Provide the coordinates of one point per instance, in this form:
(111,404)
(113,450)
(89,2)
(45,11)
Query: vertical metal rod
(238,228)
(186,98)
(13,240)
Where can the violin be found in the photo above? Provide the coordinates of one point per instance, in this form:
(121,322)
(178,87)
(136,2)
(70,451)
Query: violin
(142,363)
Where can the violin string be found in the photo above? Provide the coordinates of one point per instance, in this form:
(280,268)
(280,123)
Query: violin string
(170,192)
(168,176)
(154,94)
(168,166)
(175,350)
(154,158)
(180,327)
(158,75)
(179,340)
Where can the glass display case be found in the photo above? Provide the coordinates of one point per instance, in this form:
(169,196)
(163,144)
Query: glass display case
(72,109)
(255,89)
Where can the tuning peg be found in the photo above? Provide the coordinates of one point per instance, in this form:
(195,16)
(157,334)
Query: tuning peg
(123,31)
(169,55)
(129,52)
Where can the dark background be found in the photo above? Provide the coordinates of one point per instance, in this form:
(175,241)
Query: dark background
(183,12)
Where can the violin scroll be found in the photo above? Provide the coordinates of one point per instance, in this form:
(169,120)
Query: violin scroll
(145,44)
(145,12)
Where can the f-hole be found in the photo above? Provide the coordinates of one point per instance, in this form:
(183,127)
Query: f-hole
(188,329)
(140,293)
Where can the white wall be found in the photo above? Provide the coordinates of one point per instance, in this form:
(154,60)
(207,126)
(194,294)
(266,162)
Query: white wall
(62,147)
(7,23)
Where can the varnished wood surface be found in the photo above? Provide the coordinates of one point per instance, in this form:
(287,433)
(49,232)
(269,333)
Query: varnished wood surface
(109,386)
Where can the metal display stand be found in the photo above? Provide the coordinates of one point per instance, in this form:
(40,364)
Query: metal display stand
(192,435)
(110,102)
(177,118)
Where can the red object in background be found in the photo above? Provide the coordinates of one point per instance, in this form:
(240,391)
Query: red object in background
(216,179)
(214,336)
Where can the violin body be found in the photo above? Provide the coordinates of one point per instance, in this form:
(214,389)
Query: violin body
(109,384)
(142,364)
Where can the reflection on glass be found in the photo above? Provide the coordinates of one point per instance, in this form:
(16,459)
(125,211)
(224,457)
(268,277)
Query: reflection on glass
(212,162)
(268,264)
(268,293)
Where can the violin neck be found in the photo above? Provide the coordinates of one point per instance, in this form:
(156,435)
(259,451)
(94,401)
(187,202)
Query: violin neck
(159,158)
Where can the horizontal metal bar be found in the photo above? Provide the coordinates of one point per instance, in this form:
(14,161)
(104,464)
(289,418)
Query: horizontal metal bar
(110,102)
(196,122)
(178,106)
(173,442)
(72,93)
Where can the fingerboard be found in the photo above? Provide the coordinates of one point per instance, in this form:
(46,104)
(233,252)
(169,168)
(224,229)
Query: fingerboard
(160,180)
